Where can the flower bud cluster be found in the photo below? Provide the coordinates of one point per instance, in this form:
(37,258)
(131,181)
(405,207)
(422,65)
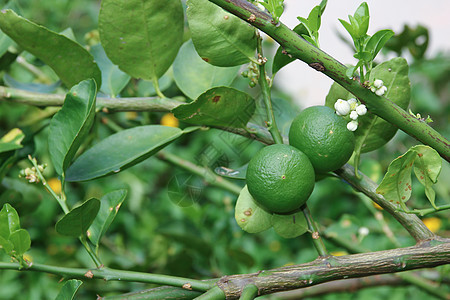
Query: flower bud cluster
(31,174)
(351,109)
(378,88)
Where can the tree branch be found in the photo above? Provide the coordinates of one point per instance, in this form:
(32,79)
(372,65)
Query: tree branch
(332,268)
(113,104)
(410,222)
(297,47)
(113,275)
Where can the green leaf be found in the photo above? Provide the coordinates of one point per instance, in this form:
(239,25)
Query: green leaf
(373,132)
(113,79)
(78,220)
(249,216)
(220,38)
(314,19)
(70,61)
(31,86)
(348,27)
(290,226)
(110,204)
(70,126)
(121,150)
(69,289)
(21,241)
(427,168)
(9,221)
(282,59)
(361,17)
(11,140)
(377,41)
(194,76)
(396,184)
(6,245)
(220,106)
(141,37)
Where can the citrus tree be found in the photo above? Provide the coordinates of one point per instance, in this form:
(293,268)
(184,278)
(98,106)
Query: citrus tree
(218,173)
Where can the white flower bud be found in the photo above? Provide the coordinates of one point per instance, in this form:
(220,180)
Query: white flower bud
(378,83)
(381,91)
(373,89)
(342,107)
(353,115)
(353,103)
(363,231)
(352,125)
(361,110)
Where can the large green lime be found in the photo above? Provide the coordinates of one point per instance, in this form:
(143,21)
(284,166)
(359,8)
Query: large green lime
(280,178)
(323,136)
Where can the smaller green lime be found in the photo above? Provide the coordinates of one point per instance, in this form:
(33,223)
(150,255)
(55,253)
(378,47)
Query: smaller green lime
(323,136)
(280,178)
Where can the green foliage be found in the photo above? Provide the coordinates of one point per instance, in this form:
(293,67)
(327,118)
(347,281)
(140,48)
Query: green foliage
(70,61)
(175,221)
(78,220)
(121,151)
(231,43)
(249,216)
(109,206)
(138,47)
(70,126)
(254,219)
(220,106)
(13,239)
(396,185)
(194,76)
(113,80)
(275,8)
(367,47)
(69,289)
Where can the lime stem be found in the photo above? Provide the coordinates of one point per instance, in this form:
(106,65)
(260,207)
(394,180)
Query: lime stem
(265,90)
(317,239)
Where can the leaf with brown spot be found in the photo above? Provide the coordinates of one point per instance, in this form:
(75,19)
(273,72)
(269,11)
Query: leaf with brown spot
(220,106)
(249,216)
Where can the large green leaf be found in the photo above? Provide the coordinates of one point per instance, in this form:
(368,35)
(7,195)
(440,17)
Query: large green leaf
(70,61)
(141,37)
(70,126)
(21,241)
(249,216)
(220,106)
(6,41)
(69,289)
(194,76)
(290,226)
(11,140)
(121,150)
(396,185)
(78,220)
(220,38)
(113,79)
(9,221)
(110,204)
(373,132)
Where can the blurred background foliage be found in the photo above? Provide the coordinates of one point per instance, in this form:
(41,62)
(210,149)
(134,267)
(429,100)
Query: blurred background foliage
(172,222)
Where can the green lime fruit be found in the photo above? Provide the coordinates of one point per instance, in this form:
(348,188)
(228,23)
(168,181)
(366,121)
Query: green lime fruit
(280,178)
(323,136)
